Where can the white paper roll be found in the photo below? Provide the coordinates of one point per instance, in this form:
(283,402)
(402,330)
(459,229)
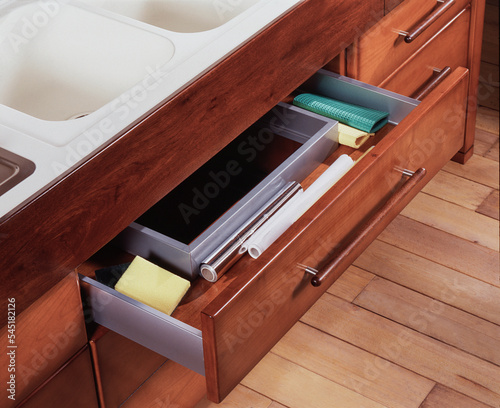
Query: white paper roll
(296,207)
(323,183)
(271,229)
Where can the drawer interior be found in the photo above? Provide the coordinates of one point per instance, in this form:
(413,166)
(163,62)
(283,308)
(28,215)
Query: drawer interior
(183,228)
(326,83)
(213,189)
(286,141)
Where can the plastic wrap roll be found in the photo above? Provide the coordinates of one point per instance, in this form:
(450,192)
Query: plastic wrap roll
(296,207)
(272,229)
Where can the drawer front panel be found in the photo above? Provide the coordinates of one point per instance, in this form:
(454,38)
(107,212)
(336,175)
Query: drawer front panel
(435,54)
(272,292)
(381,50)
(47,334)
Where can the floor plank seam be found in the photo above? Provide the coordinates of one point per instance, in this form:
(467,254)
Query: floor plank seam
(364,287)
(496,187)
(426,295)
(261,394)
(373,354)
(456,391)
(427,396)
(431,298)
(333,381)
(451,202)
(430,336)
(387,242)
(410,369)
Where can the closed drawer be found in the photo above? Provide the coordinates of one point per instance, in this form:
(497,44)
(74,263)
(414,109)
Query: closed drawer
(382,49)
(222,330)
(46,335)
(423,67)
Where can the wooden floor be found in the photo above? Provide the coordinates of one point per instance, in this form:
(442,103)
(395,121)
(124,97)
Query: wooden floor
(416,321)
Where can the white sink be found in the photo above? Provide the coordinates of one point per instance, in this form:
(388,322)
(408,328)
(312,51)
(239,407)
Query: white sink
(183,16)
(74,74)
(75,64)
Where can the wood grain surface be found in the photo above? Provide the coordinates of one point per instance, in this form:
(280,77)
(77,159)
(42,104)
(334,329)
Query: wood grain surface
(82,212)
(233,341)
(47,334)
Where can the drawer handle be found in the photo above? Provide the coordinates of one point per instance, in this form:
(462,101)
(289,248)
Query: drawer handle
(438,12)
(380,218)
(435,81)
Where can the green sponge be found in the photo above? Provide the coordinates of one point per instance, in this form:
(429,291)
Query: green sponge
(359,117)
(152,285)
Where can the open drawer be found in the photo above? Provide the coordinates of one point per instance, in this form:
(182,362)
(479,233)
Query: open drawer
(222,330)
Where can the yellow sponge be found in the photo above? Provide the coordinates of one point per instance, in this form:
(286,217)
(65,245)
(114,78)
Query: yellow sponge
(352,137)
(152,285)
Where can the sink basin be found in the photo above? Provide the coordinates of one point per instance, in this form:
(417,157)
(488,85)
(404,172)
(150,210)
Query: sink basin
(76,74)
(183,16)
(65,62)
(13,170)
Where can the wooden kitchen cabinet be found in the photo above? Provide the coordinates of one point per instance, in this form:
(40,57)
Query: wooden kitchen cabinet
(382,49)
(441,34)
(47,334)
(232,324)
(71,386)
(432,58)
(121,365)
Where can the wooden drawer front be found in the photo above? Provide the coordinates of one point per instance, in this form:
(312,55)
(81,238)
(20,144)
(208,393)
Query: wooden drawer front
(381,50)
(47,334)
(272,292)
(72,386)
(390,5)
(434,55)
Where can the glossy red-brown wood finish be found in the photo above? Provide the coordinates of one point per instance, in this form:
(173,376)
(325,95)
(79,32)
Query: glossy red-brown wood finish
(121,366)
(474,63)
(412,76)
(82,212)
(71,386)
(272,292)
(47,334)
(429,20)
(382,49)
(380,53)
(340,260)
